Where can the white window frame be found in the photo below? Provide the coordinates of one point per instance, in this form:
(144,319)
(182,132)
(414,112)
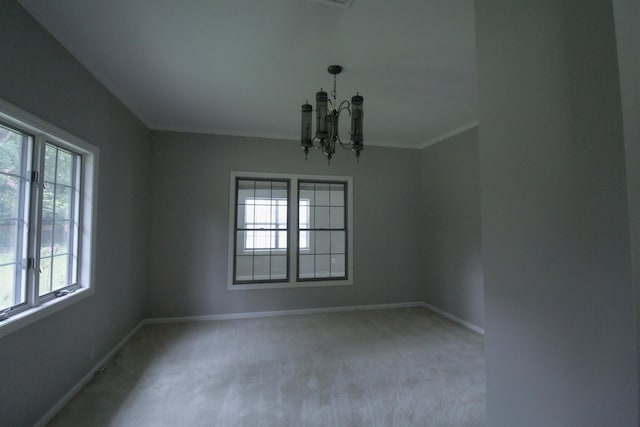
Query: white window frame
(292,230)
(36,307)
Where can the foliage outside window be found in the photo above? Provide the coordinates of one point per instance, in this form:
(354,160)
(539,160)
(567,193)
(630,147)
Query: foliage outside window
(47,196)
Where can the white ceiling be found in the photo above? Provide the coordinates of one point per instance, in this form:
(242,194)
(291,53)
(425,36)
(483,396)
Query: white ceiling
(244,67)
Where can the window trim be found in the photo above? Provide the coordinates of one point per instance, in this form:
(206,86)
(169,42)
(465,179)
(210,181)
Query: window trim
(42,133)
(292,239)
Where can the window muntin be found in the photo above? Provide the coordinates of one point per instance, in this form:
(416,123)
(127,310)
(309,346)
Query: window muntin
(320,231)
(261,232)
(49,177)
(325,232)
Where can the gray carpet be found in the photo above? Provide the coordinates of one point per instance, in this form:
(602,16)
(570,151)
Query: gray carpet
(404,367)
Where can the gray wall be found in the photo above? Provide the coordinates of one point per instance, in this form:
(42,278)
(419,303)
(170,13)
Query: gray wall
(627,16)
(451,245)
(41,362)
(559,313)
(190,220)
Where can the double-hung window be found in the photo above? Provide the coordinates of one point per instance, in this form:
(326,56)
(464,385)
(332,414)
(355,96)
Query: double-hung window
(289,231)
(47,201)
(261,232)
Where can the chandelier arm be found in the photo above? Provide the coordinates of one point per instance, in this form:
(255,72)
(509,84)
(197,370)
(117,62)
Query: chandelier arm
(345,105)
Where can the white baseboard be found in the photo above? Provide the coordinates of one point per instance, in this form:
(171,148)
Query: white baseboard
(76,388)
(276,313)
(453,318)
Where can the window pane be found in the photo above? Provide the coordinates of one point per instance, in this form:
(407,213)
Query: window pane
(323,242)
(337,242)
(282,240)
(9,196)
(8,241)
(12,274)
(279,190)
(306,266)
(303,241)
(7,286)
(322,219)
(306,191)
(63,208)
(46,239)
(261,239)
(243,214)
(278,267)
(322,266)
(263,191)
(336,217)
(64,171)
(241,242)
(50,157)
(322,194)
(282,213)
(337,195)
(48,202)
(45,276)
(60,276)
(244,268)
(337,266)
(10,151)
(245,191)
(262,214)
(310,241)
(61,237)
(261,267)
(303,213)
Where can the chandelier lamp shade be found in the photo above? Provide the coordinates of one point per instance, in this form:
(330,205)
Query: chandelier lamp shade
(327,118)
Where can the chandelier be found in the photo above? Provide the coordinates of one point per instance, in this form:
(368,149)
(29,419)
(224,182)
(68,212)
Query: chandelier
(327,115)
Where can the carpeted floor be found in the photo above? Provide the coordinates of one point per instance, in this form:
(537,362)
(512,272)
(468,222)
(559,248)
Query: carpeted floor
(403,367)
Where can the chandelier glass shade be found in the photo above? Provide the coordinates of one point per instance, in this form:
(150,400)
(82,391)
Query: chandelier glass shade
(327,119)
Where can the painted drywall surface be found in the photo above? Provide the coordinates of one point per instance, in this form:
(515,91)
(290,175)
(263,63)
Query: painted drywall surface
(560,332)
(42,361)
(190,220)
(451,256)
(627,16)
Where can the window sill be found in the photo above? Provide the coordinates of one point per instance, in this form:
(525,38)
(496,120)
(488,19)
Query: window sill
(289,285)
(27,317)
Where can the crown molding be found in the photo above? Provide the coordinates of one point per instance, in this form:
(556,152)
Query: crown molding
(449,134)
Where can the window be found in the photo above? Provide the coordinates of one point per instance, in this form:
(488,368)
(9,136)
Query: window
(322,230)
(261,232)
(47,197)
(264,206)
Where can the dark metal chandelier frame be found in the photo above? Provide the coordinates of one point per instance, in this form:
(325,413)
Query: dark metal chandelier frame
(327,119)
